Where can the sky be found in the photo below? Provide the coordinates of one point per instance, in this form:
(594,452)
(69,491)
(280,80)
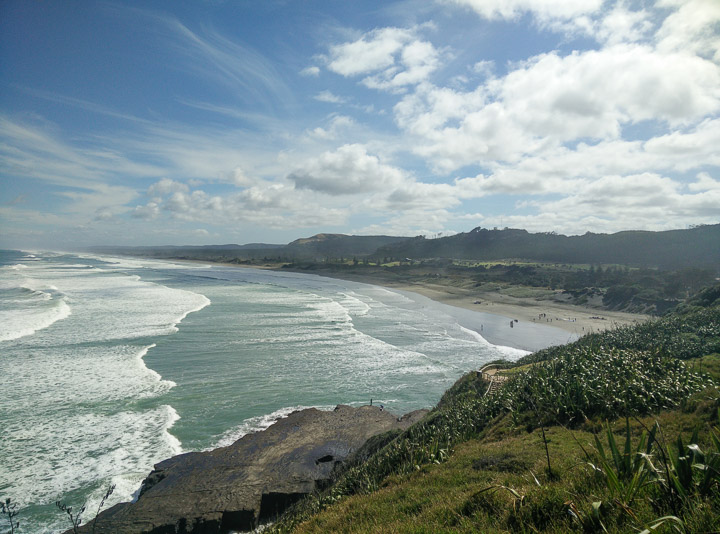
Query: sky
(208,122)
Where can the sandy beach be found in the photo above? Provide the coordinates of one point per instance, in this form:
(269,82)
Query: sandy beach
(573,319)
(578,320)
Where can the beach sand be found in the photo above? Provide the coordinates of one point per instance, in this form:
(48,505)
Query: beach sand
(575,319)
(572,319)
(579,320)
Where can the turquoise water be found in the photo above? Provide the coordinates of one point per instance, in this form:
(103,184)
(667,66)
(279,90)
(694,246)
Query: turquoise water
(111,365)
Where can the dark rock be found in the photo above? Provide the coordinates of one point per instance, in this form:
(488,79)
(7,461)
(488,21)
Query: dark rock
(254,479)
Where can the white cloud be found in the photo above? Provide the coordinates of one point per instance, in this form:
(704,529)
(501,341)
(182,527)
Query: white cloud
(40,152)
(543,9)
(621,25)
(336,125)
(393,58)
(327,96)
(310,71)
(484,67)
(372,52)
(240,178)
(691,28)
(165,186)
(411,223)
(277,206)
(149,211)
(553,99)
(613,203)
(103,214)
(348,170)
(418,196)
(417,61)
(704,182)
(556,170)
(214,56)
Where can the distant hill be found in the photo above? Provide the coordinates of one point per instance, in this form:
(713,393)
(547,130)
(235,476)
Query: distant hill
(207,252)
(337,245)
(317,247)
(672,249)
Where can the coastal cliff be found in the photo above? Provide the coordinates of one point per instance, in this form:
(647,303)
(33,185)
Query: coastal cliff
(254,479)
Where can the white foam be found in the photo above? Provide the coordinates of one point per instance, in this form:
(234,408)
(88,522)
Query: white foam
(122,262)
(351,301)
(510,353)
(15,323)
(75,449)
(81,409)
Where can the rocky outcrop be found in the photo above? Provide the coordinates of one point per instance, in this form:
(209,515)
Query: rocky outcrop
(254,479)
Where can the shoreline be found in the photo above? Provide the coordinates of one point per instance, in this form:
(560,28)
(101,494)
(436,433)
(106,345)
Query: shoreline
(579,320)
(573,320)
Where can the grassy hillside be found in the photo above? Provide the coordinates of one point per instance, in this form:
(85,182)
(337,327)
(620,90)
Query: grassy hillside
(672,249)
(611,433)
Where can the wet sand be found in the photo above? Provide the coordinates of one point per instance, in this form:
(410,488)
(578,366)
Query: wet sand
(579,320)
(567,322)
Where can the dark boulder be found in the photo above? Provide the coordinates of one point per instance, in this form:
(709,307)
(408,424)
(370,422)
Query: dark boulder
(254,479)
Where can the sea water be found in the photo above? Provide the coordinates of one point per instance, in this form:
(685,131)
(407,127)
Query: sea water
(110,365)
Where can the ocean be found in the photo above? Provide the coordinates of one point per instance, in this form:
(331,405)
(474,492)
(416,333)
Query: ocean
(110,365)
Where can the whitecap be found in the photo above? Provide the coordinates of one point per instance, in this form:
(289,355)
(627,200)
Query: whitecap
(15,323)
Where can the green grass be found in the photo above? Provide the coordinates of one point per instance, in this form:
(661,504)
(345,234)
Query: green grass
(528,292)
(471,491)
(464,417)
(545,454)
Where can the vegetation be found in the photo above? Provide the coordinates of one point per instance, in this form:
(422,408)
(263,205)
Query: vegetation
(644,272)
(673,249)
(690,333)
(543,454)
(9,509)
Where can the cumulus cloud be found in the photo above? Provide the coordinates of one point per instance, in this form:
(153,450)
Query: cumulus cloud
(327,96)
(691,27)
(423,196)
(348,170)
(392,58)
(557,170)
(704,182)
(241,179)
(609,24)
(648,199)
(165,186)
(103,214)
(260,202)
(149,211)
(622,25)
(336,125)
(543,9)
(310,71)
(584,95)
(416,62)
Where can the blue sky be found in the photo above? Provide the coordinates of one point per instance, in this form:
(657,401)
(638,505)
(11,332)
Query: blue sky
(240,121)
